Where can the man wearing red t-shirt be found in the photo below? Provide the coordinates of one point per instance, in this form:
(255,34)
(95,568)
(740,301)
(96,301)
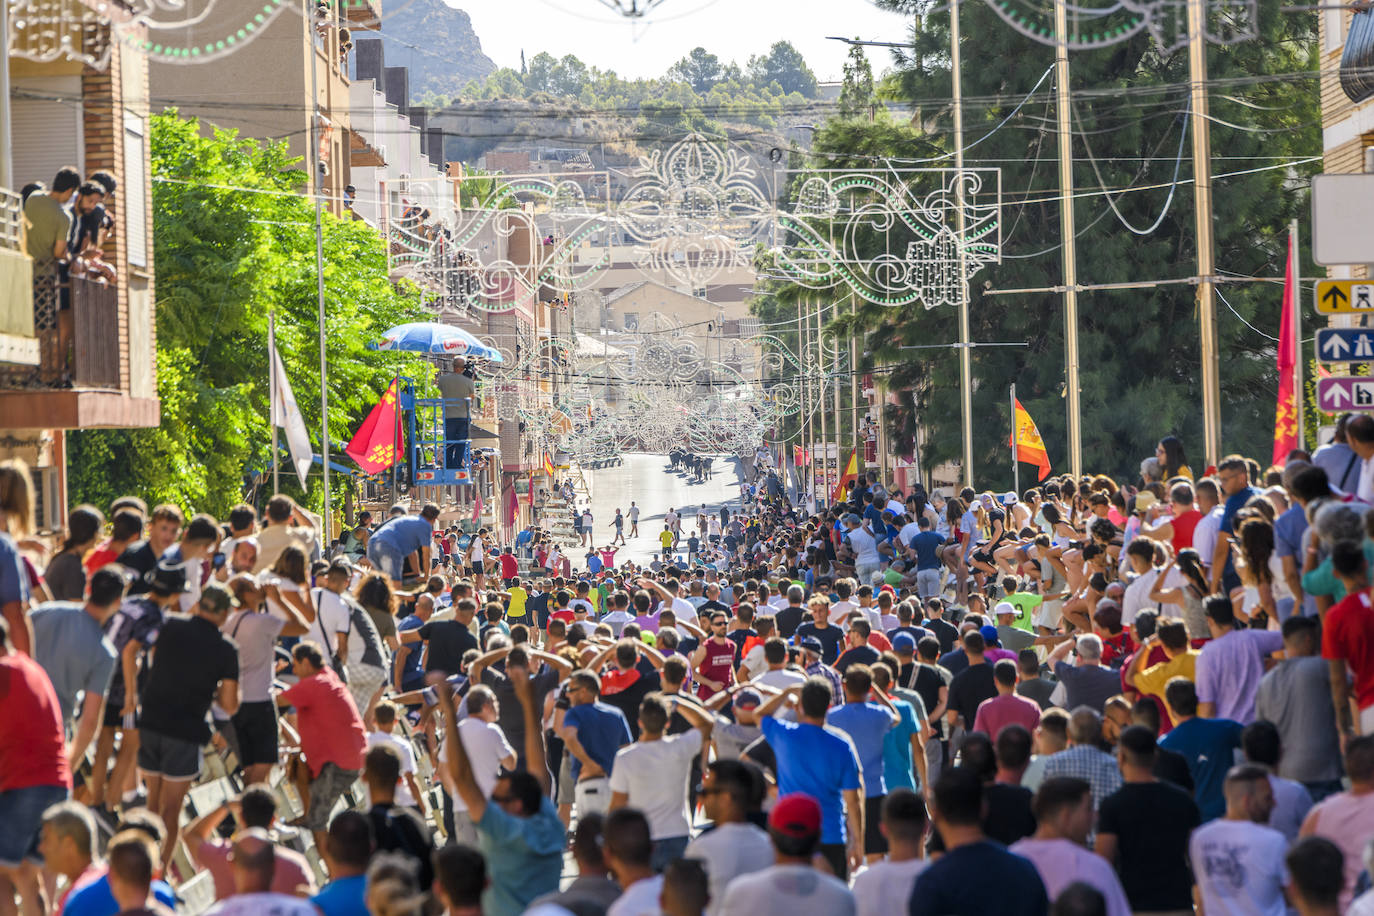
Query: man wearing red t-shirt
(333,740)
(33,769)
(509,567)
(1348,641)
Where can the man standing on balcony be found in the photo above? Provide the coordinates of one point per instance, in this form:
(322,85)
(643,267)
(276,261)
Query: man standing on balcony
(47,223)
(459,391)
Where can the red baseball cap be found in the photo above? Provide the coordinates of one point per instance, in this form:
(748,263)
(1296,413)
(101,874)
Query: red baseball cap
(797,815)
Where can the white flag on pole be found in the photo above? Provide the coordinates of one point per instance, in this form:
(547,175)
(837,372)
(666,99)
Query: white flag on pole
(287,415)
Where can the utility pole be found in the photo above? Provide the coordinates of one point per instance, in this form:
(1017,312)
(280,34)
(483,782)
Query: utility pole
(1296,306)
(1202,212)
(820,400)
(316,133)
(1067,232)
(854,374)
(965,352)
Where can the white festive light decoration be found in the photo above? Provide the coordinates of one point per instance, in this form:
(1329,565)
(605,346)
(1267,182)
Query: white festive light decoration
(910,214)
(1226,22)
(694,211)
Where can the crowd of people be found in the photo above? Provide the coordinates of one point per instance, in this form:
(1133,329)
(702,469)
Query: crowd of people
(1093,696)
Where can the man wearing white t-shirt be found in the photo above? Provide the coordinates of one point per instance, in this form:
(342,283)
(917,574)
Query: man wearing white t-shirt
(885,887)
(408,792)
(486,747)
(867,553)
(1238,862)
(651,774)
(628,850)
(735,846)
(792,886)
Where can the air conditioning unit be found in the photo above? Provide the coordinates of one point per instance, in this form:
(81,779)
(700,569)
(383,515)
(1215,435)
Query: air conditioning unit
(47,502)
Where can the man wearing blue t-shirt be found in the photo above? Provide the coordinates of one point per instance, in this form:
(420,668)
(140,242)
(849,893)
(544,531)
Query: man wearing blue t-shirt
(404,536)
(1209,746)
(821,762)
(592,731)
(925,547)
(867,724)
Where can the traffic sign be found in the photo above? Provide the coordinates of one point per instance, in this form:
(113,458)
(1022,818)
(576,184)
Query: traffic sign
(1344,297)
(1335,395)
(1345,345)
(1340,218)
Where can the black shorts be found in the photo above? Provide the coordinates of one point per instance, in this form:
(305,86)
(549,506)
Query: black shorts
(874,841)
(475,571)
(113,717)
(174,759)
(256,726)
(981,556)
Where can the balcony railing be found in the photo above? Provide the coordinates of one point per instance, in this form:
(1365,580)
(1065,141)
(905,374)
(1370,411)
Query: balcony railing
(76,322)
(11,221)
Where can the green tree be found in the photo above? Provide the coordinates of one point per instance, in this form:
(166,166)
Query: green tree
(1138,347)
(784,65)
(232,241)
(857,97)
(699,69)
(539,76)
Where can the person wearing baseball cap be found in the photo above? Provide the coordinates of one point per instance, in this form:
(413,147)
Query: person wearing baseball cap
(792,885)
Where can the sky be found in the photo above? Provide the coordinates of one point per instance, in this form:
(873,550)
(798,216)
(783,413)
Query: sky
(730,29)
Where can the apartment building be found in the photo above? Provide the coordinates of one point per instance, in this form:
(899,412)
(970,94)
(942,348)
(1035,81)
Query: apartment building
(76,352)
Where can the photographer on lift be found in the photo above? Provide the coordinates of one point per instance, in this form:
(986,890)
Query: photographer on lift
(459,389)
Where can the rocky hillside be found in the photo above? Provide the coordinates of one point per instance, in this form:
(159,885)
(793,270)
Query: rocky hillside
(436,42)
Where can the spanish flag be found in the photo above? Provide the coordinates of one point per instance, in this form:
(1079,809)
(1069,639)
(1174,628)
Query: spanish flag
(1025,440)
(851,472)
(548,465)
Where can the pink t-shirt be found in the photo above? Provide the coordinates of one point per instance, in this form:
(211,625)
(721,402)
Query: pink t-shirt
(1348,821)
(1000,711)
(291,873)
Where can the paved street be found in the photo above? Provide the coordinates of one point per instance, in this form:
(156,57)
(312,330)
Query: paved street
(647,480)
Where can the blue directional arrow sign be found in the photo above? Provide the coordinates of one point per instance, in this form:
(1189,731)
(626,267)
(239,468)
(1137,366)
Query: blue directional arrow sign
(1345,345)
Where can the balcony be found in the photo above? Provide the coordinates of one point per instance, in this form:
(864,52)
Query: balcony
(76,383)
(364,14)
(18,345)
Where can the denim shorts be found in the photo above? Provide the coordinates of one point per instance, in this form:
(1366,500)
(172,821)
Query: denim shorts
(388,562)
(21,822)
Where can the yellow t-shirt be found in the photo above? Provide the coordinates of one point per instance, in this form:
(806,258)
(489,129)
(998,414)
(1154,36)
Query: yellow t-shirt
(518,597)
(666,539)
(1154,679)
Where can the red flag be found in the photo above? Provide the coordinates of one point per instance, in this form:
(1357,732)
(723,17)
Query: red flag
(378,442)
(477,504)
(1286,409)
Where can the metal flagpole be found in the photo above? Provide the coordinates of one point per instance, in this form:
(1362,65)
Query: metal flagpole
(272,393)
(965,351)
(1296,306)
(318,184)
(1067,234)
(1015,441)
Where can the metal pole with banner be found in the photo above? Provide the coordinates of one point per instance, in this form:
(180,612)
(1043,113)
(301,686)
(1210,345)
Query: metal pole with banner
(1015,467)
